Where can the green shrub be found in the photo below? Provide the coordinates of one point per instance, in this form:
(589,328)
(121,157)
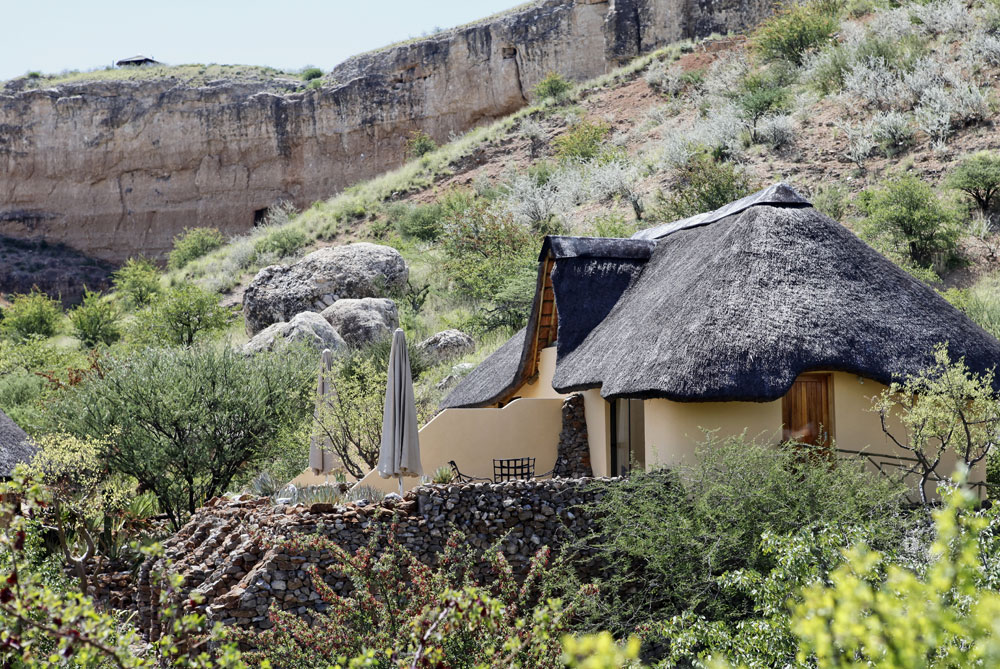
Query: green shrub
(193,243)
(32,315)
(978,176)
(137,281)
(311,73)
(95,320)
(759,96)
(180,317)
(794,30)
(419,144)
(184,422)
(905,216)
(280,242)
(702,185)
(612,225)
(832,200)
(665,537)
(581,142)
(554,86)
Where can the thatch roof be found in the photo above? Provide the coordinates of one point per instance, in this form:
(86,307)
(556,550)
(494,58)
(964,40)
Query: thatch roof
(15,446)
(736,304)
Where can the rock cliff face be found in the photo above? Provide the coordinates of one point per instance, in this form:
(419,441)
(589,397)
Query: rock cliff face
(114,168)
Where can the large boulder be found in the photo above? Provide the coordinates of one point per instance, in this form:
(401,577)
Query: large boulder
(446,345)
(363,321)
(308,326)
(321,278)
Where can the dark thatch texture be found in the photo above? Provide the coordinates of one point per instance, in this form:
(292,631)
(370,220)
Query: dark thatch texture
(491,378)
(735,310)
(15,446)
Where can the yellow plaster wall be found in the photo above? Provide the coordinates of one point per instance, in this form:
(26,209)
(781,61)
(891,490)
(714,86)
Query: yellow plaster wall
(596,410)
(542,387)
(474,437)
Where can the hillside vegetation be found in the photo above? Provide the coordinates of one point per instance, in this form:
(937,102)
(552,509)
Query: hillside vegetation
(143,408)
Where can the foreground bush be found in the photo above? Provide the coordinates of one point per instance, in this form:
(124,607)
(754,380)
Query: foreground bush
(193,243)
(185,422)
(32,315)
(668,537)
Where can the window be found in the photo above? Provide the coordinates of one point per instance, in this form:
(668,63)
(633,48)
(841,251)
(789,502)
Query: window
(805,410)
(628,436)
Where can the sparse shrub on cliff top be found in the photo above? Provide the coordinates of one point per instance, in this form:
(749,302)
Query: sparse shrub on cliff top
(419,144)
(137,281)
(34,314)
(193,243)
(311,73)
(180,316)
(795,29)
(554,86)
(95,320)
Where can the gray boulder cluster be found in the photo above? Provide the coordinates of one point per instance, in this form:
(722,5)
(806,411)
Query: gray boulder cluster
(335,298)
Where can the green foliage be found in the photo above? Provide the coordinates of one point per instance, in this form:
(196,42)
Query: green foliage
(978,176)
(404,614)
(583,141)
(280,242)
(982,304)
(184,422)
(760,95)
(794,30)
(426,221)
(137,281)
(419,144)
(683,530)
(311,73)
(612,224)
(34,314)
(95,320)
(943,409)
(193,243)
(907,217)
(443,474)
(554,86)
(832,200)
(179,318)
(703,184)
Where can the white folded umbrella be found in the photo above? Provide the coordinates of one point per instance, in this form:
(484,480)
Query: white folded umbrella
(399,454)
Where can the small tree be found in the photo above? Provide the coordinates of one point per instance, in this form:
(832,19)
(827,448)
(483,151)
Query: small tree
(703,184)
(193,243)
(554,86)
(758,98)
(978,176)
(32,315)
(794,30)
(137,281)
(184,422)
(419,144)
(181,316)
(95,320)
(945,408)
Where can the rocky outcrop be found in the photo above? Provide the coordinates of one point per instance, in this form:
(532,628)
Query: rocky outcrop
(321,278)
(308,327)
(115,168)
(364,321)
(446,345)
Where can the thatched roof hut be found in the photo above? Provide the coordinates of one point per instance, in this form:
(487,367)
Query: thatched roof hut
(137,61)
(15,446)
(729,305)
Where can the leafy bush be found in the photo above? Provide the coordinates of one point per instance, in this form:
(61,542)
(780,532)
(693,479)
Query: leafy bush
(978,176)
(180,317)
(759,96)
(892,131)
(794,30)
(280,242)
(703,185)
(137,281)
(666,79)
(419,144)
(32,315)
(583,141)
(667,536)
(860,142)
(184,422)
(95,320)
(193,243)
(311,73)
(553,86)
(777,131)
(610,225)
(905,216)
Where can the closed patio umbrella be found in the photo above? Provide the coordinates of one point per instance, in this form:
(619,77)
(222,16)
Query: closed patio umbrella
(399,454)
(321,457)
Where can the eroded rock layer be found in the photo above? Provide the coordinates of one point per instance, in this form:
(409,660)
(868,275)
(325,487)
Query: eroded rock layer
(115,168)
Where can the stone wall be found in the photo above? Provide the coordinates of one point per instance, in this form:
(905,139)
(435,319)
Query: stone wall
(573,453)
(115,168)
(245,555)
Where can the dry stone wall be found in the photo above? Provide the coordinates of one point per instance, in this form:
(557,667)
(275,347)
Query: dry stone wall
(115,168)
(244,556)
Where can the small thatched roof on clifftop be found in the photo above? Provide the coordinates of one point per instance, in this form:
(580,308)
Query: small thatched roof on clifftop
(734,305)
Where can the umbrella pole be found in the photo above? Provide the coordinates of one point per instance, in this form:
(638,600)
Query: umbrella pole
(400,485)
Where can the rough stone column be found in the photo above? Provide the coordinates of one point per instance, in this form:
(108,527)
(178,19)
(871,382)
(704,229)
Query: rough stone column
(573,454)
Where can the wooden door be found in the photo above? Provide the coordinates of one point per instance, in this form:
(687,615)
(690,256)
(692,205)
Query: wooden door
(805,411)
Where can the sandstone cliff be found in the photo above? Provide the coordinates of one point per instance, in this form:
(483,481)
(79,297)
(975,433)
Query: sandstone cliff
(116,168)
